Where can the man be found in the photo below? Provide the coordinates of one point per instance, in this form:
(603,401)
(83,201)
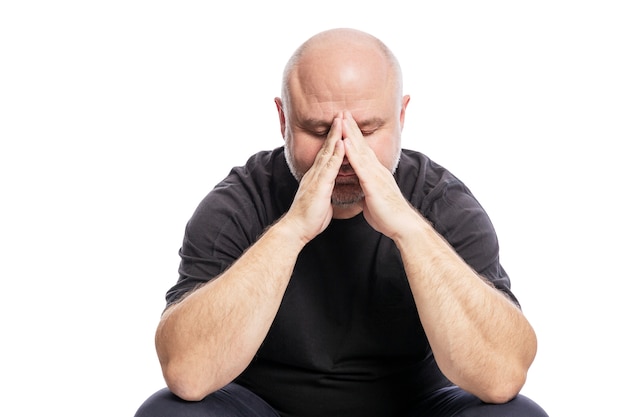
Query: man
(341,275)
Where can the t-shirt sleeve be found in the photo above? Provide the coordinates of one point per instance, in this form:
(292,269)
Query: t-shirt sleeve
(225,223)
(232,216)
(458,216)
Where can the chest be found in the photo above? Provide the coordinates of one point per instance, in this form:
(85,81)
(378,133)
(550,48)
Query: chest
(348,298)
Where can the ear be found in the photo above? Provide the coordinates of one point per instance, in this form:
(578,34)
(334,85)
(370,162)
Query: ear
(405,102)
(281,115)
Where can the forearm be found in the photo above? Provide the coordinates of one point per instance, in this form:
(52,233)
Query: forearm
(480,339)
(209,338)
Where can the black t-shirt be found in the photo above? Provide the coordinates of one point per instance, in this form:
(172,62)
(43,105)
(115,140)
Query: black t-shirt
(347,339)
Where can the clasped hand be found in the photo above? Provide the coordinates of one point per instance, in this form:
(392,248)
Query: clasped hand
(383,205)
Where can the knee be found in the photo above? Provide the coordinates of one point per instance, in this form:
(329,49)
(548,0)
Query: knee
(519,406)
(159,404)
(529,407)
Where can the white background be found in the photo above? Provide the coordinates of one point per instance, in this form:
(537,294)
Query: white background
(117,117)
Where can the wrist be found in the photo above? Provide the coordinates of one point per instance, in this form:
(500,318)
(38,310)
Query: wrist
(414,225)
(290,233)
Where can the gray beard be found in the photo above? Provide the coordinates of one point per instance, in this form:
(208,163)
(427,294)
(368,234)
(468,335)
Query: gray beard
(297,175)
(345,195)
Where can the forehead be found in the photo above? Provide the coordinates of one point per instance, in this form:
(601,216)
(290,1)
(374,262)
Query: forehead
(331,80)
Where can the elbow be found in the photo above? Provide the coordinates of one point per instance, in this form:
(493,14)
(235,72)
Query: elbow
(499,395)
(187,392)
(190,378)
(184,385)
(185,378)
(503,390)
(508,381)
(495,384)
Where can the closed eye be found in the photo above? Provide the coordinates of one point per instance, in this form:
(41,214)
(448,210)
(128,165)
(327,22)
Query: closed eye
(320,133)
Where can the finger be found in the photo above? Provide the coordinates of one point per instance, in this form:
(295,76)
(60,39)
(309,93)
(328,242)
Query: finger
(328,152)
(358,152)
(351,129)
(329,158)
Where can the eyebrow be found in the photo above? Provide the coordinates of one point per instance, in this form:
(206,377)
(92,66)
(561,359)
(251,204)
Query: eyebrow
(371,122)
(315,124)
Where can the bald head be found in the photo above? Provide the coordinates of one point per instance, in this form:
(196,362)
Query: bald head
(341,60)
(337,73)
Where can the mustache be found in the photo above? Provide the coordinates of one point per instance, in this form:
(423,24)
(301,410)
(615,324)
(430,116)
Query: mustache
(346,169)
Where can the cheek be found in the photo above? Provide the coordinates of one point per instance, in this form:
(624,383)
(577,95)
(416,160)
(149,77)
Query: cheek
(304,151)
(387,150)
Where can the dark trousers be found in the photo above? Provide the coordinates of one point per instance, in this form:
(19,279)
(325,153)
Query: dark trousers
(236,401)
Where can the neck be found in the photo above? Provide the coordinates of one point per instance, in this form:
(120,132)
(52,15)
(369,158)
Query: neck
(346,211)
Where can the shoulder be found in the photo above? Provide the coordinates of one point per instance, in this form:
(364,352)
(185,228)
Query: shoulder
(450,207)
(434,190)
(253,180)
(257,169)
(247,199)
(423,180)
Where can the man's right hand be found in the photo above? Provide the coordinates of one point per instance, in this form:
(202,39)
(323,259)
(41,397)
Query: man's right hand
(311,210)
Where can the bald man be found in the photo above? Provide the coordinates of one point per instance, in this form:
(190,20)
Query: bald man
(340,274)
